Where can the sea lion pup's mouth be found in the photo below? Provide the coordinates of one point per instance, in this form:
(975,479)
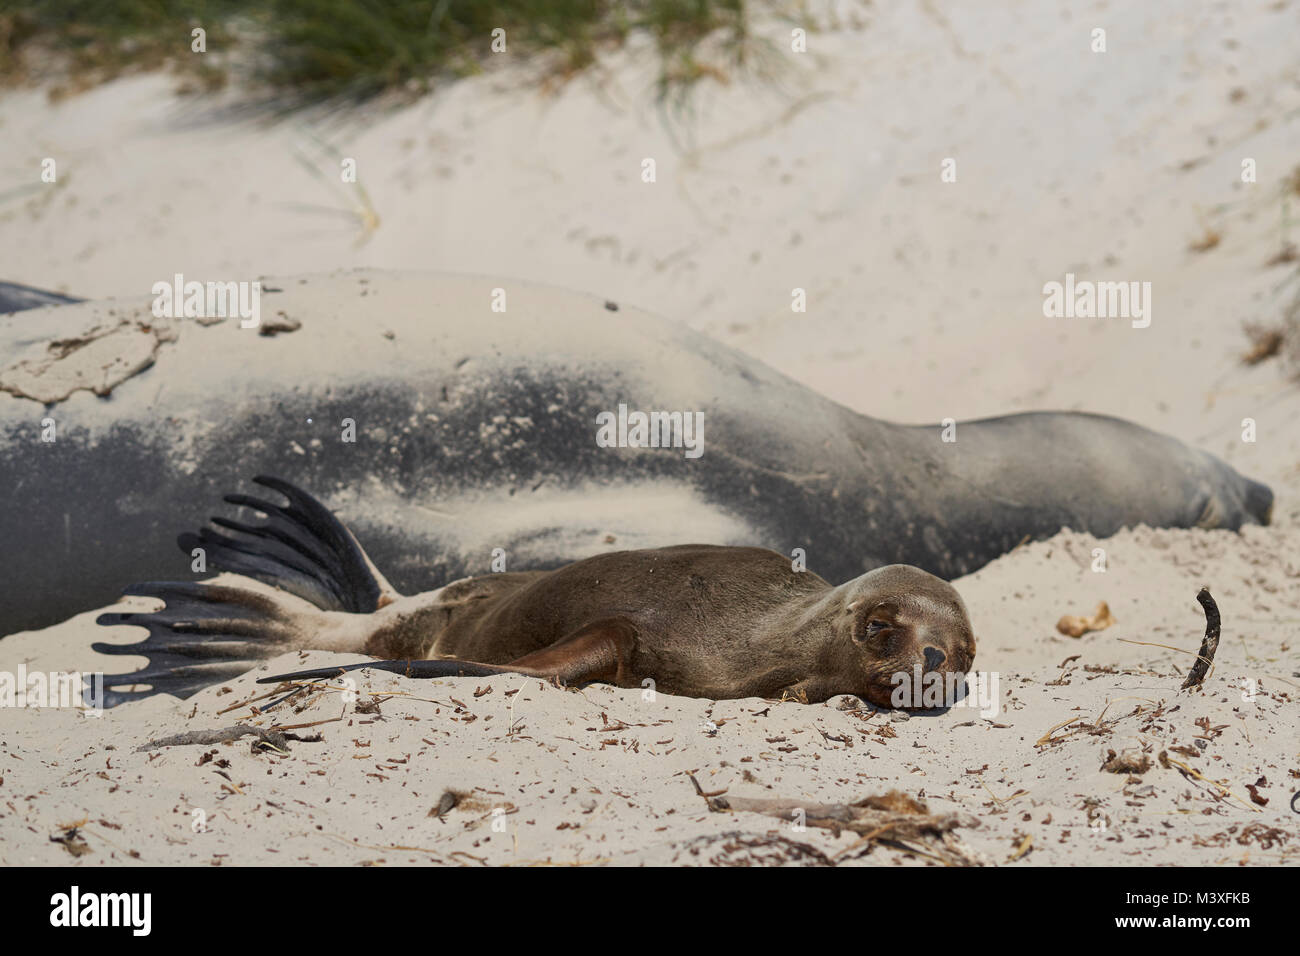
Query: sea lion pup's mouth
(910,638)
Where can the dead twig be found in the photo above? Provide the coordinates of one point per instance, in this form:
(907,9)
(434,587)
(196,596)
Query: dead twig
(891,819)
(1166,761)
(1209,644)
(1047,737)
(272,737)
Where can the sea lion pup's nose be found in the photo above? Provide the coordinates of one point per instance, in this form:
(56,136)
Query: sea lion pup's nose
(934,658)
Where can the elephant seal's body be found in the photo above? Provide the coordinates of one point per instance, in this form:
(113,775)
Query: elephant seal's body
(18,298)
(476,430)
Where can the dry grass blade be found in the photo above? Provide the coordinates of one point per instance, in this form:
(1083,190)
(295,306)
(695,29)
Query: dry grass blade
(1167,760)
(1047,737)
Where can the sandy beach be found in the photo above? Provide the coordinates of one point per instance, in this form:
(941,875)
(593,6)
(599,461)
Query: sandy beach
(925,301)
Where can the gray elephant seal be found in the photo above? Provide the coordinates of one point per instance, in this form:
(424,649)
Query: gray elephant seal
(475,431)
(17,298)
(697,620)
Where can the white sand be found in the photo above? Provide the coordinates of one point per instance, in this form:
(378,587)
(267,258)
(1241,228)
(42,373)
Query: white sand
(925,302)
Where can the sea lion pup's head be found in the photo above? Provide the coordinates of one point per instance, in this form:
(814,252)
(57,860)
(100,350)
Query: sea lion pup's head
(902,622)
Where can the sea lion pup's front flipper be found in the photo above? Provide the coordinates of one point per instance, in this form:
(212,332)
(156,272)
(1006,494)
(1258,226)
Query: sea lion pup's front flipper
(600,651)
(207,633)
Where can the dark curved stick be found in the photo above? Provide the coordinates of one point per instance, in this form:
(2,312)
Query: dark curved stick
(1209,645)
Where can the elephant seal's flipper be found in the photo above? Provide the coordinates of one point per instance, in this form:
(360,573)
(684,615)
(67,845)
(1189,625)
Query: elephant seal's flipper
(302,549)
(19,298)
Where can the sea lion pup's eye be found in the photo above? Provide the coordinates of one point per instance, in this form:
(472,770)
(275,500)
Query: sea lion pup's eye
(865,627)
(868,632)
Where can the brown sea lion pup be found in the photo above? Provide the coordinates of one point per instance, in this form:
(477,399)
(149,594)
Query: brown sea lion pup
(697,620)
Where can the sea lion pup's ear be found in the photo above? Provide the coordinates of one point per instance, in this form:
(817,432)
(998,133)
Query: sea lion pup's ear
(870,619)
(301,548)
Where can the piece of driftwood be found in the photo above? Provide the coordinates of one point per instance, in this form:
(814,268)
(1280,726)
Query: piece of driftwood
(273,737)
(893,818)
(1209,644)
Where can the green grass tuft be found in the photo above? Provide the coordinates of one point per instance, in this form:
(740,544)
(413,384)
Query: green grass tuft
(324,49)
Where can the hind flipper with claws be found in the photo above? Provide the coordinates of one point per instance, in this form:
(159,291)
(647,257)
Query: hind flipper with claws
(324,586)
(325,594)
